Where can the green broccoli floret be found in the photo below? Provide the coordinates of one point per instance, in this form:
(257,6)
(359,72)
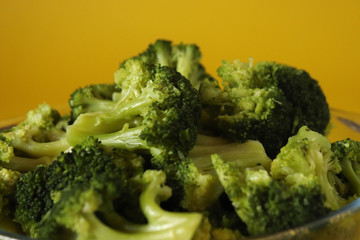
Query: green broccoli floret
(185,58)
(267,101)
(268,205)
(87,163)
(36,140)
(8,180)
(157,111)
(93,98)
(348,153)
(78,211)
(194,179)
(310,154)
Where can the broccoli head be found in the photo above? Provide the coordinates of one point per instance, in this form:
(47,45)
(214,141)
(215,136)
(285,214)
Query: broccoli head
(8,180)
(348,153)
(36,140)
(185,58)
(194,180)
(93,98)
(80,211)
(310,154)
(268,205)
(267,101)
(157,111)
(87,163)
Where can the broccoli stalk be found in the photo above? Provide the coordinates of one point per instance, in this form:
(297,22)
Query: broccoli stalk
(157,111)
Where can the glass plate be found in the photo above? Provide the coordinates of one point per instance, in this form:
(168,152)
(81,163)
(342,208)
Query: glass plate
(339,225)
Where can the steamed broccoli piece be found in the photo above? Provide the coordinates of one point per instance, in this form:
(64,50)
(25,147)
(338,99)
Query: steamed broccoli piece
(157,111)
(185,58)
(8,180)
(36,140)
(310,154)
(348,153)
(78,211)
(268,205)
(266,101)
(87,163)
(93,98)
(194,179)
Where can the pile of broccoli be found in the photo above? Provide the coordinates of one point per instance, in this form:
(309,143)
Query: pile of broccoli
(168,151)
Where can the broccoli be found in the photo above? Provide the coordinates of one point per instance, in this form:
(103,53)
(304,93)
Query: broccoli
(194,179)
(36,140)
(89,162)
(8,180)
(80,211)
(267,101)
(93,98)
(157,111)
(348,153)
(185,58)
(268,205)
(310,154)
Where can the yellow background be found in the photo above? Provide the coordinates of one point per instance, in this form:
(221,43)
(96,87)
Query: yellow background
(49,48)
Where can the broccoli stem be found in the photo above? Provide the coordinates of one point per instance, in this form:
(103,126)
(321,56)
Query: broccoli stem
(353,178)
(98,123)
(40,149)
(249,152)
(24,164)
(95,105)
(127,138)
(157,232)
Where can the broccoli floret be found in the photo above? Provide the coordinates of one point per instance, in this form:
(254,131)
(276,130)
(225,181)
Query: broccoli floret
(194,179)
(348,153)
(36,140)
(93,98)
(88,162)
(309,153)
(226,234)
(269,205)
(157,111)
(8,180)
(267,101)
(185,58)
(78,210)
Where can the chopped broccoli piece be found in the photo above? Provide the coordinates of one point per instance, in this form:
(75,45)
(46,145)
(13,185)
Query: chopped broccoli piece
(310,154)
(37,140)
(263,203)
(8,180)
(348,153)
(185,58)
(225,234)
(93,98)
(267,101)
(157,111)
(78,210)
(37,190)
(194,179)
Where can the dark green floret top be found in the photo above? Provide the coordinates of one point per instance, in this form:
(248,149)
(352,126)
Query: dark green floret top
(266,101)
